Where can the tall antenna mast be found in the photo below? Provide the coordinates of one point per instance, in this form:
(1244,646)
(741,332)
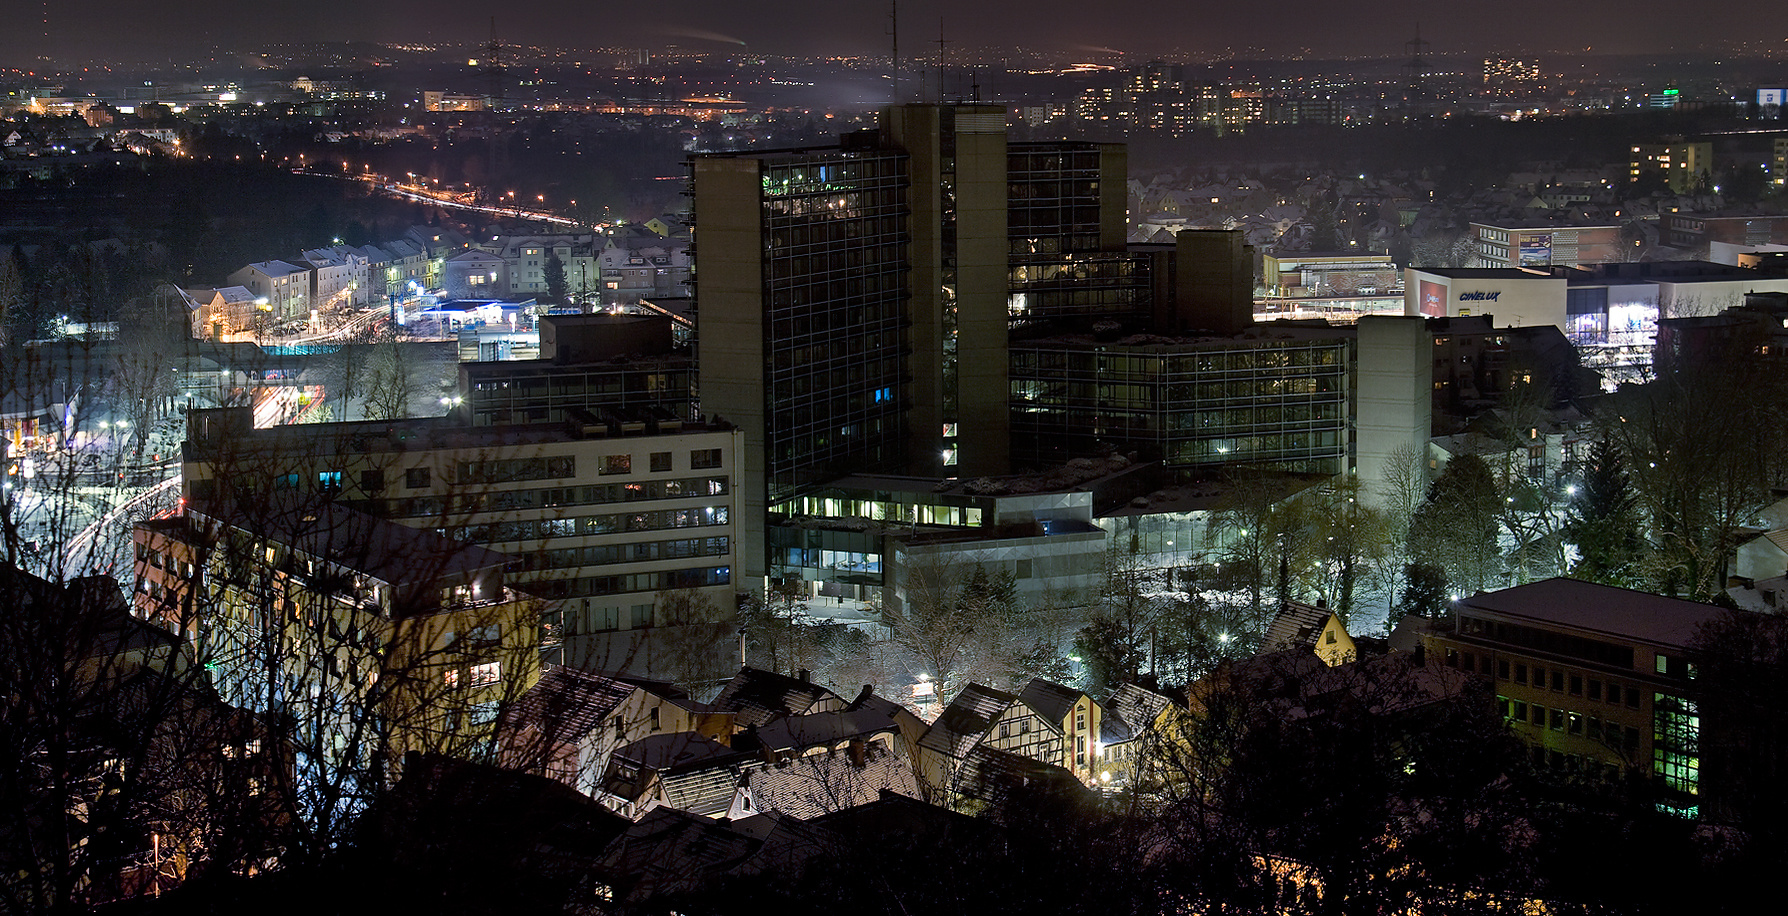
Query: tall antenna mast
(1415,74)
(894,37)
(493,63)
(941,59)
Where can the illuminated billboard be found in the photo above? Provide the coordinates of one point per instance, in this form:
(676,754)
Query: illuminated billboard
(1769,103)
(1536,250)
(1434,299)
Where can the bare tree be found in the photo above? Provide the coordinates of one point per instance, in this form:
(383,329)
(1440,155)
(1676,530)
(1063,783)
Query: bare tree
(957,620)
(778,625)
(391,383)
(696,644)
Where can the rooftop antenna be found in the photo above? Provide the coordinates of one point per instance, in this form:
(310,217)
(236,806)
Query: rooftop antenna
(941,59)
(894,38)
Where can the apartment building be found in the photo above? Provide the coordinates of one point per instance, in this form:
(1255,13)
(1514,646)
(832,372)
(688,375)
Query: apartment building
(369,637)
(627,528)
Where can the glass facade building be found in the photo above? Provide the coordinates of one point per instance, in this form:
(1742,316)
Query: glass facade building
(835,308)
(1280,404)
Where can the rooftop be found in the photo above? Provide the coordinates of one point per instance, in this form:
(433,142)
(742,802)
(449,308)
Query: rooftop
(1486,273)
(368,436)
(392,553)
(1602,609)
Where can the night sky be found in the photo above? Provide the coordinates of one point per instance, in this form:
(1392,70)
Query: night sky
(134,29)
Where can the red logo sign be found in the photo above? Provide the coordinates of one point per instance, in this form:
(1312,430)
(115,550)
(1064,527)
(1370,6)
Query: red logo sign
(1434,299)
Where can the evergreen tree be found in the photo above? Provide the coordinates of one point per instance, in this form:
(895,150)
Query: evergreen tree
(1603,519)
(555,279)
(1456,528)
(1424,593)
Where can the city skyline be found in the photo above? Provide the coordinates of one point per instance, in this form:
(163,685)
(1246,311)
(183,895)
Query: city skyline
(89,29)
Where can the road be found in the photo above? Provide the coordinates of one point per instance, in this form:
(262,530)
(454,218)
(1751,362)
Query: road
(440,199)
(87,552)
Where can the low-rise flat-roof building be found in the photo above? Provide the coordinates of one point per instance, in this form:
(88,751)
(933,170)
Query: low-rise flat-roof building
(1517,297)
(588,363)
(1591,677)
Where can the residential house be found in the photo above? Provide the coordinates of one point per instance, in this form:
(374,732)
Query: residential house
(570,723)
(1073,717)
(336,276)
(406,270)
(1313,628)
(146,774)
(475,274)
(755,697)
(1146,750)
(284,287)
(1046,722)
(220,313)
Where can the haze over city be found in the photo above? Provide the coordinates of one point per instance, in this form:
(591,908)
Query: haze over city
(96,29)
(1104,458)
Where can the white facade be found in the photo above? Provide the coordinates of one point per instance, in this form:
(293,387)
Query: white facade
(1517,298)
(285,287)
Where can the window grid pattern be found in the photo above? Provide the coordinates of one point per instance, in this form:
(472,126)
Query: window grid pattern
(1053,198)
(1076,285)
(1281,406)
(836,289)
(535,529)
(545,394)
(549,497)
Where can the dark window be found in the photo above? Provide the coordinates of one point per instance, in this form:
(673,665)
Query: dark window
(1558,679)
(1595,689)
(661,461)
(1576,685)
(704,458)
(416,478)
(1502,669)
(372,481)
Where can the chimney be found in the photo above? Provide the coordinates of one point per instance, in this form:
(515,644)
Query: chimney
(804,676)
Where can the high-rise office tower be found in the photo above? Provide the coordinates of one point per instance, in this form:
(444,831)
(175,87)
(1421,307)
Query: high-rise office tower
(803,284)
(853,303)
(957,161)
